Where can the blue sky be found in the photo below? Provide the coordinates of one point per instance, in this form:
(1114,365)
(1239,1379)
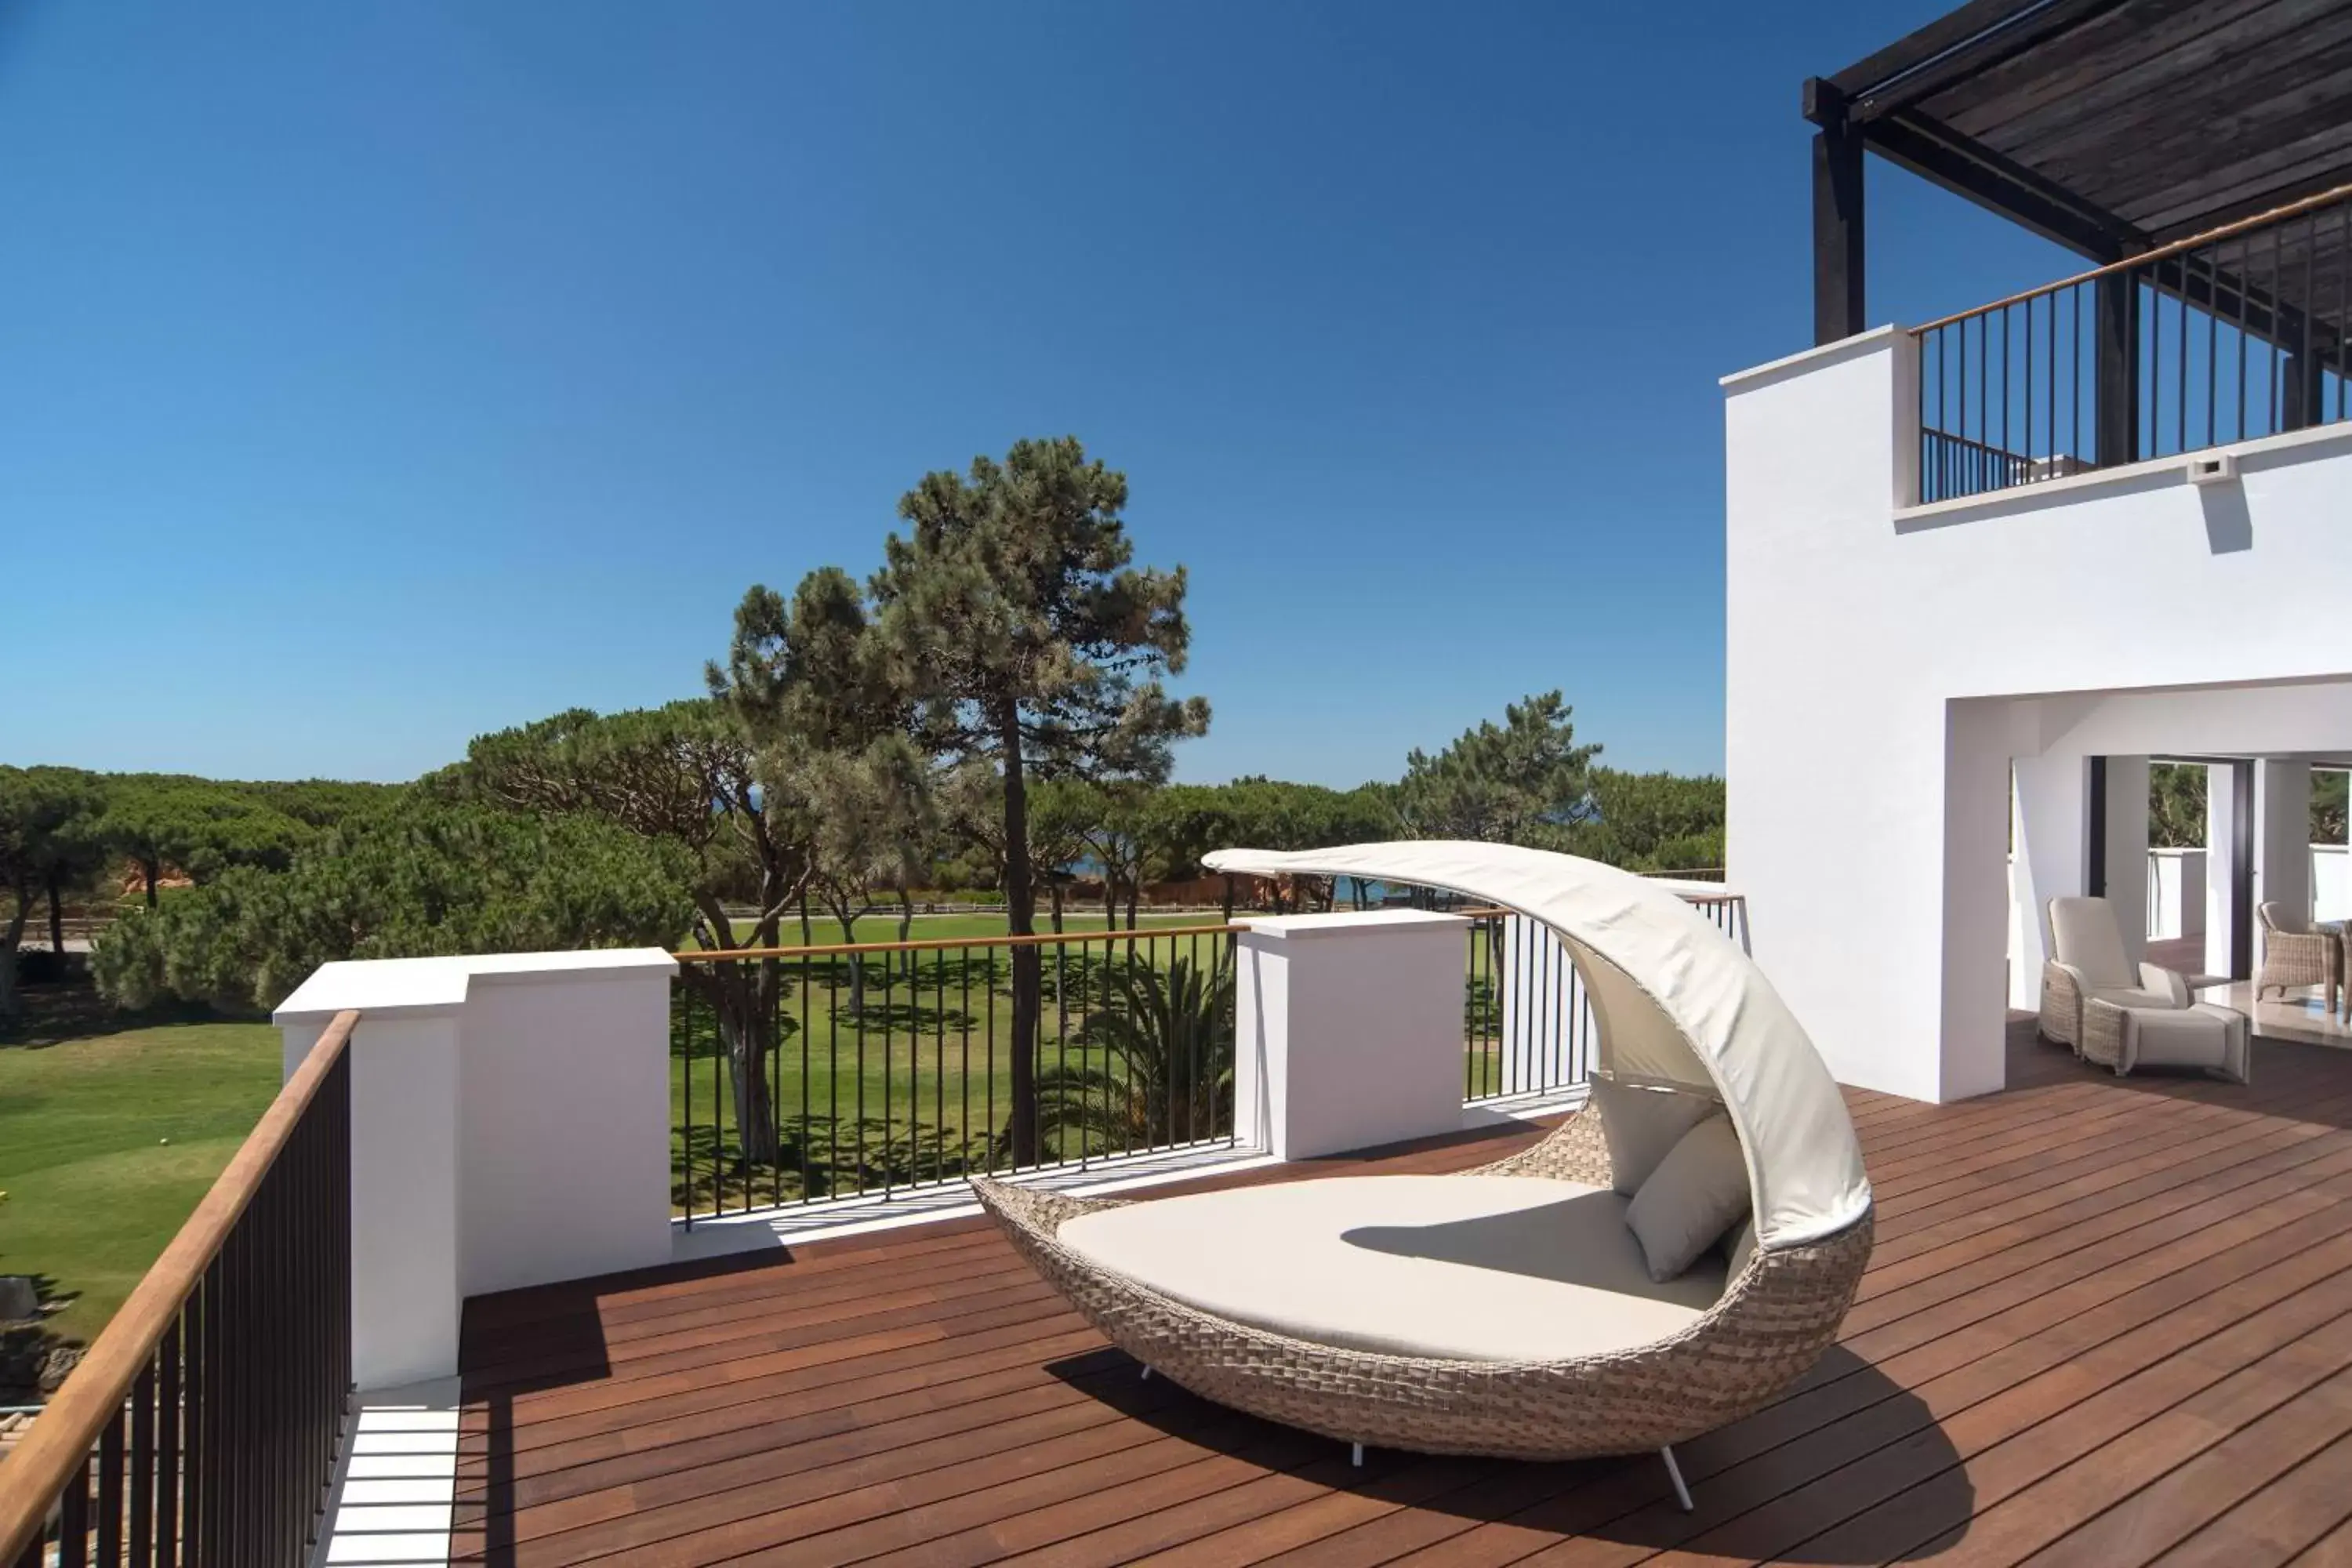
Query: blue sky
(378,372)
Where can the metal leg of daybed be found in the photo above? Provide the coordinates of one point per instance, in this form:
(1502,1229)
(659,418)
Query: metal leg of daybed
(1356,1457)
(1674,1474)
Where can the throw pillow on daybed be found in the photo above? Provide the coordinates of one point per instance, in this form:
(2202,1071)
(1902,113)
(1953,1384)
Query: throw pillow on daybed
(1696,1194)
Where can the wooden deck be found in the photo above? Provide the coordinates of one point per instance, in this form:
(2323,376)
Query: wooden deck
(2107,1322)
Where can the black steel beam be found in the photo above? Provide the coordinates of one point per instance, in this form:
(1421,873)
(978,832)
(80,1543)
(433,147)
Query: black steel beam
(1966,167)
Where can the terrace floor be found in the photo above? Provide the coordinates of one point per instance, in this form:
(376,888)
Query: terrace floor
(2108,1321)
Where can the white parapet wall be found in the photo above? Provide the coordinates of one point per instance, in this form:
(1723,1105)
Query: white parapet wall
(2331,887)
(2176,894)
(1349,1030)
(1887,663)
(509,1127)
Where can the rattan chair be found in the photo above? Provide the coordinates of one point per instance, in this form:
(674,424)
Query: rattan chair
(1678,1009)
(2088,960)
(2295,953)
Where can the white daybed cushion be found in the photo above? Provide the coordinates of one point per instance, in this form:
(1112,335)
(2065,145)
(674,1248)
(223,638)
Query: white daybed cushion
(1692,1200)
(1503,1268)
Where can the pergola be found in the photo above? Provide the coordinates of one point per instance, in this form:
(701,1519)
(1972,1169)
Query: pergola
(2114,127)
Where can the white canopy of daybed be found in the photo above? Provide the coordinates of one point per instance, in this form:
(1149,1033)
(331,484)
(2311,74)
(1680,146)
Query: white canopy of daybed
(1677,1003)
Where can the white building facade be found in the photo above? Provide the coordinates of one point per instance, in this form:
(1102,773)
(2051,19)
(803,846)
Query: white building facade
(1891,666)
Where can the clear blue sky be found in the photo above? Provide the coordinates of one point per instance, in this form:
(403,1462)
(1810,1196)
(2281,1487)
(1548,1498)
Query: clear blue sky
(373,374)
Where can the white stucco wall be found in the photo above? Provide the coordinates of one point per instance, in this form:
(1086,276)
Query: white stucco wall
(509,1127)
(1347,1030)
(1885,664)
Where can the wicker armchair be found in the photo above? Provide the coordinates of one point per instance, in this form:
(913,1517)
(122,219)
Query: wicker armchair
(2295,953)
(2089,963)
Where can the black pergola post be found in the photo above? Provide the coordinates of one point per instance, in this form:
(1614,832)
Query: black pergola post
(2303,388)
(1838,295)
(2116,403)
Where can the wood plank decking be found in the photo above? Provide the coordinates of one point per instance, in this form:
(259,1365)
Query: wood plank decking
(2106,1322)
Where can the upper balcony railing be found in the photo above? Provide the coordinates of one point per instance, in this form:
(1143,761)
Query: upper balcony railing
(204,1425)
(2232,335)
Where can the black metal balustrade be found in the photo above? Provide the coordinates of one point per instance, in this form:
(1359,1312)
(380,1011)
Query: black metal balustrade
(806,1073)
(204,1427)
(827,1071)
(2226,337)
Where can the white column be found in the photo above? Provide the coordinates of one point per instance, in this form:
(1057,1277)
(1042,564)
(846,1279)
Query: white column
(509,1127)
(2127,850)
(1972,1055)
(1349,1030)
(2282,836)
(2220,866)
(2049,847)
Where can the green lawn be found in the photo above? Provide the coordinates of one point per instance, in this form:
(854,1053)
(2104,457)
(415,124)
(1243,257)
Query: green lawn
(108,1135)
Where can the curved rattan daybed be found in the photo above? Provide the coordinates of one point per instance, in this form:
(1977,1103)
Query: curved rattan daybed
(1680,1011)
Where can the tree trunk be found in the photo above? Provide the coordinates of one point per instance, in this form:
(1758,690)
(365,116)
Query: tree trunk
(1110,901)
(1134,896)
(56,925)
(906,932)
(147,869)
(1055,887)
(856,963)
(742,995)
(10,941)
(1229,900)
(1019,918)
(808,932)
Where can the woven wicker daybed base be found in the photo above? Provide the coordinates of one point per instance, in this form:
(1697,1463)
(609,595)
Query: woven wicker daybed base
(1771,1324)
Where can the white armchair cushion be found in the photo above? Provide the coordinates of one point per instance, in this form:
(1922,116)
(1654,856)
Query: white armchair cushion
(1694,1197)
(2083,936)
(2170,984)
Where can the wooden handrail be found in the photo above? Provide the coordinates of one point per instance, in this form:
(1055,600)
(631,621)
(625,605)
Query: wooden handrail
(2194,242)
(928,944)
(44,1463)
(1045,938)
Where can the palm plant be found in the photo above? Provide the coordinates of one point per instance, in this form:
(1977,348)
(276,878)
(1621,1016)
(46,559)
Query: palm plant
(1160,1066)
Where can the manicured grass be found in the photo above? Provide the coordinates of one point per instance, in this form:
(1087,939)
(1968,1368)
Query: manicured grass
(108,1135)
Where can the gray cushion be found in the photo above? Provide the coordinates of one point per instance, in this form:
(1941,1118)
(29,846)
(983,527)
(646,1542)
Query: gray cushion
(1742,1248)
(1641,1125)
(1508,1268)
(1696,1194)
